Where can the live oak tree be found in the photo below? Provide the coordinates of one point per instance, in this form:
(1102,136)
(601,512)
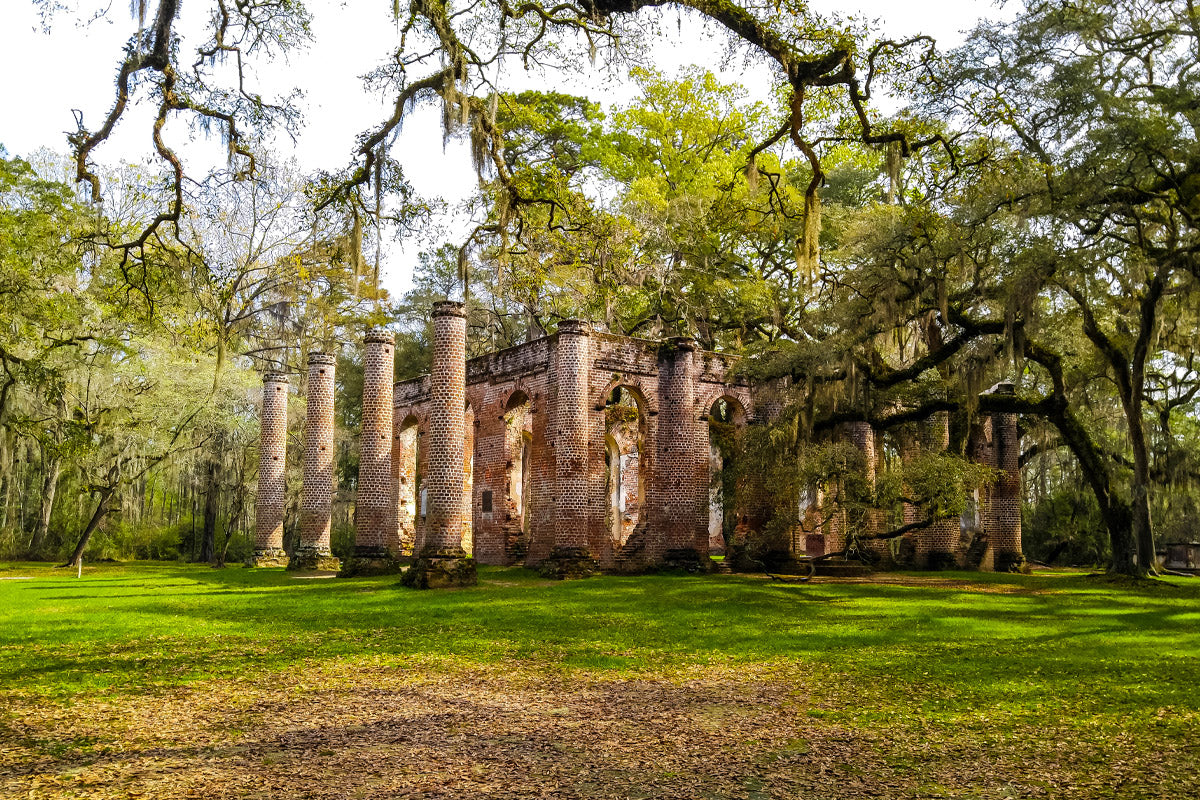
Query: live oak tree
(1101,99)
(450,54)
(1033,218)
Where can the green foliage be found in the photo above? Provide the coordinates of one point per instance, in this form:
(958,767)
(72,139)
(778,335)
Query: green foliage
(1065,528)
(939,485)
(125,542)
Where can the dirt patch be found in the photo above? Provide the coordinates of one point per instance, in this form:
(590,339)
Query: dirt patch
(409,731)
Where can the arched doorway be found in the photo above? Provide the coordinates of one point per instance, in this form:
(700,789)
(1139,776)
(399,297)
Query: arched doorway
(406,484)
(518,448)
(468,533)
(625,479)
(726,419)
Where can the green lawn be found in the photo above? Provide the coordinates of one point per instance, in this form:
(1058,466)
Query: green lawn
(163,679)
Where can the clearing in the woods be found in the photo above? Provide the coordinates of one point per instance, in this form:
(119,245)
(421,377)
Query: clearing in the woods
(175,681)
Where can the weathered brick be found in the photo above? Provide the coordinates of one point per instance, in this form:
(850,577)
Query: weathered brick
(316,495)
(271,501)
(375,512)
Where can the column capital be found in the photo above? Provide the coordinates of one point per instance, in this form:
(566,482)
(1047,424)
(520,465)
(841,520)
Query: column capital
(318,357)
(275,377)
(575,327)
(449,308)
(379,336)
(682,343)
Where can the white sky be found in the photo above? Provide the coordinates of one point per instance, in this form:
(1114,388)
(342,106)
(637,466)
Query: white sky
(73,67)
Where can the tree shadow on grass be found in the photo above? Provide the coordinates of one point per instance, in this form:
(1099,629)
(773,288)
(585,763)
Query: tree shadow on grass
(952,642)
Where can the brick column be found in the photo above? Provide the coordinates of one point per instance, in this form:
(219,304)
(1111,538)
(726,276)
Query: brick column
(272,475)
(1004,506)
(375,514)
(937,545)
(316,494)
(572,556)
(447,430)
(442,561)
(681,471)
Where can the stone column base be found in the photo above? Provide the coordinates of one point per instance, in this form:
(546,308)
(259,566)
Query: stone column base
(1007,561)
(268,557)
(318,558)
(569,562)
(687,560)
(370,561)
(441,569)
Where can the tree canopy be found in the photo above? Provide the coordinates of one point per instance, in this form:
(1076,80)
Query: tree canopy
(1027,215)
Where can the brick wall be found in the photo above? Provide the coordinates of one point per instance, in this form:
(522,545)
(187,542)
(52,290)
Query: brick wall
(316,494)
(908,445)
(862,436)
(272,461)
(540,425)
(937,545)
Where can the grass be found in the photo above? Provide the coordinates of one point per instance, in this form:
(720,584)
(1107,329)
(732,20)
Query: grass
(951,685)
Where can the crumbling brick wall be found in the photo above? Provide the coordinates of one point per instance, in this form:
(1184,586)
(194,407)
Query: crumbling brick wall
(540,424)
(506,455)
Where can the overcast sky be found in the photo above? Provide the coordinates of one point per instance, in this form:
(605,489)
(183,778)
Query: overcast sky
(73,67)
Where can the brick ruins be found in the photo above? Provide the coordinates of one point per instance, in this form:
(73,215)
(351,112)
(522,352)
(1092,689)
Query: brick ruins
(578,452)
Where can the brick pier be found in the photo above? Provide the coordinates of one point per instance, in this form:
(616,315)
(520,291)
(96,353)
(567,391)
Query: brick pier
(572,555)
(1004,501)
(441,561)
(375,511)
(316,494)
(272,475)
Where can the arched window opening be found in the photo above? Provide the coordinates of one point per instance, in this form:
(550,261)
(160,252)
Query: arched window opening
(406,484)
(518,447)
(624,424)
(468,533)
(726,418)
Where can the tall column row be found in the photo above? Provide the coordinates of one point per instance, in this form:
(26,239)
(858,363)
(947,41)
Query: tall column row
(995,442)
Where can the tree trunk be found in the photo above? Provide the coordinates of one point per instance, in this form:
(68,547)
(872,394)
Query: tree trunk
(106,495)
(235,512)
(1093,463)
(49,489)
(212,497)
(6,480)
(1143,528)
